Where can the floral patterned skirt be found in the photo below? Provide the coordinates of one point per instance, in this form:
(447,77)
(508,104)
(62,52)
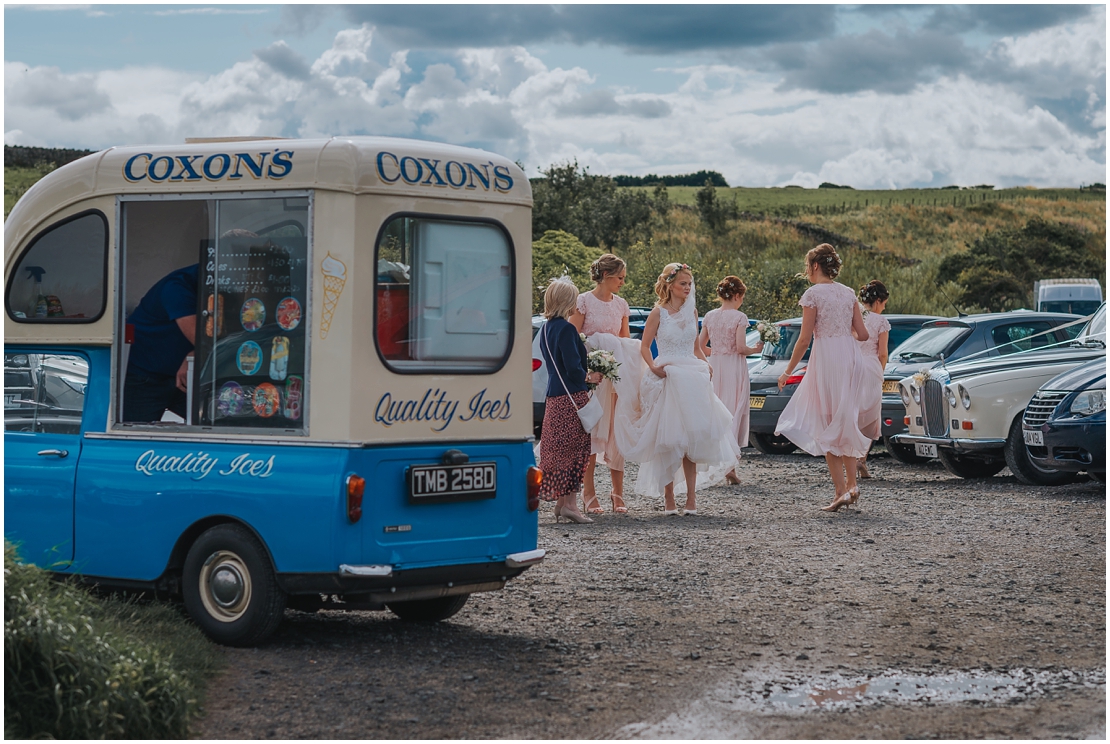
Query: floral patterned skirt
(564,447)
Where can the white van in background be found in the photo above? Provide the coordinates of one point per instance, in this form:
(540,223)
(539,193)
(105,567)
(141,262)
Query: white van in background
(1079,296)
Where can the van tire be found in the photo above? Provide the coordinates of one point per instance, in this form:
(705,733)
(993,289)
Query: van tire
(772,444)
(967,467)
(1024,469)
(903,453)
(230,588)
(428,610)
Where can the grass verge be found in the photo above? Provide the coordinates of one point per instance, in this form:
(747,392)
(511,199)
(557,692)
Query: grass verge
(81,667)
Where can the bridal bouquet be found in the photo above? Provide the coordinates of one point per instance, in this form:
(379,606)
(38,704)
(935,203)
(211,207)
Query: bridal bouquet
(768,333)
(603,361)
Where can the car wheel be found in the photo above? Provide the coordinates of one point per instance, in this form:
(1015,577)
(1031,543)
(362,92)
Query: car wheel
(772,444)
(428,610)
(230,588)
(903,453)
(1023,467)
(966,467)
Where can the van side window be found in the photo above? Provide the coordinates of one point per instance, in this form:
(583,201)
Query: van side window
(44,393)
(62,276)
(444,293)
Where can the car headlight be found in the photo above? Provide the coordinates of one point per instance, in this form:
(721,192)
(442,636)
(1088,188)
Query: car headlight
(905,395)
(915,393)
(951,396)
(965,397)
(1089,402)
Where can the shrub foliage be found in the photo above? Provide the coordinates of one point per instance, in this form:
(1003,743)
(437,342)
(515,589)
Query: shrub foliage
(76,667)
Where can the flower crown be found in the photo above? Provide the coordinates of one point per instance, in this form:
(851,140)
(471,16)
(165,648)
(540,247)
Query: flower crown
(679,267)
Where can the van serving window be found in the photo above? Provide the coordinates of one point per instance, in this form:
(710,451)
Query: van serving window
(444,294)
(62,276)
(242,265)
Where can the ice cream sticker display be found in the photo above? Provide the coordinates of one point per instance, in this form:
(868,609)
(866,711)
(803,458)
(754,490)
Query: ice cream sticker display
(232,401)
(214,323)
(266,400)
(253,314)
(335,276)
(291,404)
(279,358)
(249,358)
(289,313)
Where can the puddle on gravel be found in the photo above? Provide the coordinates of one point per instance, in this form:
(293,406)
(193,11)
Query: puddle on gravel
(895,688)
(726,711)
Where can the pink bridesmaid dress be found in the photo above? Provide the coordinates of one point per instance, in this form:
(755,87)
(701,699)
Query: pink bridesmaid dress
(602,327)
(730,369)
(870,417)
(823,415)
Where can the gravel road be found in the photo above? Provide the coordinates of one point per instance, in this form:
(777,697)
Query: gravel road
(940,608)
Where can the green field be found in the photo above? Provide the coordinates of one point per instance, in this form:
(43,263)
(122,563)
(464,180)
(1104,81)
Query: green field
(791,202)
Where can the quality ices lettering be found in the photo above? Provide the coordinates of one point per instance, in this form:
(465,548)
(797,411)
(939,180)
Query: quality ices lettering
(450,174)
(219,166)
(199,464)
(437,408)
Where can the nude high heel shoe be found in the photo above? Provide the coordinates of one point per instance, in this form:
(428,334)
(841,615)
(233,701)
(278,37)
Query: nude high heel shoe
(839,501)
(573,515)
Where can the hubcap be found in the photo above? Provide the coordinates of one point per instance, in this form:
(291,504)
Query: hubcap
(225,586)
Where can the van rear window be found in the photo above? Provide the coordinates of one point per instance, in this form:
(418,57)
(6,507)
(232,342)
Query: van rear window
(443,295)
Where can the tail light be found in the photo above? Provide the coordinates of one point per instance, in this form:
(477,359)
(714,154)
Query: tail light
(888,422)
(966,425)
(536,364)
(356,485)
(794,379)
(534,479)
(906,420)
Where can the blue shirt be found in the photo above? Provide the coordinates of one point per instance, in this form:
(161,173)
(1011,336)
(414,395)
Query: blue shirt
(569,354)
(159,346)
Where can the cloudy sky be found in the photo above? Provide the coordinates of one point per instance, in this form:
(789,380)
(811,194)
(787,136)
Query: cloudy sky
(871,96)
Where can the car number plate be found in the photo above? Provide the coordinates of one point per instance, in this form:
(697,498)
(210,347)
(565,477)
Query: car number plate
(924,449)
(890,386)
(11,401)
(757,401)
(433,484)
(1034,437)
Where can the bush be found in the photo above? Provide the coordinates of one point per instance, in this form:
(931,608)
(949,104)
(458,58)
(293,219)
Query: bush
(76,667)
(558,251)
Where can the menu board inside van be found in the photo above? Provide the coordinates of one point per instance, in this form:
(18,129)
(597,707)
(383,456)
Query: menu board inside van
(251,338)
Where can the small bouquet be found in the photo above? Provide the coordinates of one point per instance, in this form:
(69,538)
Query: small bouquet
(603,361)
(768,333)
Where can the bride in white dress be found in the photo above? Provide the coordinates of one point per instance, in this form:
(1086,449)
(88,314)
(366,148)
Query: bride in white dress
(675,427)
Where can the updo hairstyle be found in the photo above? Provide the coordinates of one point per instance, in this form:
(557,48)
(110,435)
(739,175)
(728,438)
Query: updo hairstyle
(872,292)
(825,258)
(666,279)
(606,266)
(560,299)
(731,287)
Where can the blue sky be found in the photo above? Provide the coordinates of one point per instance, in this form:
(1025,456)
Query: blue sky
(870,96)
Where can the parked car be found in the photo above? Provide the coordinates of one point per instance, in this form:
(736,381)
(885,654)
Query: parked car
(1064,425)
(539,377)
(767,401)
(969,414)
(951,339)
(637,316)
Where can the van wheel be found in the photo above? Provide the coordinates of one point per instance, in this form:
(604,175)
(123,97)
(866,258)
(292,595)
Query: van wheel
(428,610)
(903,453)
(230,588)
(1022,466)
(966,467)
(770,444)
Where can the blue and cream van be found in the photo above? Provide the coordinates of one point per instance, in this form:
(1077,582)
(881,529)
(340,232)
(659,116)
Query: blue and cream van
(358,421)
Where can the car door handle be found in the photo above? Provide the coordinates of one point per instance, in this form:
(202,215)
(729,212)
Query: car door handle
(54,452)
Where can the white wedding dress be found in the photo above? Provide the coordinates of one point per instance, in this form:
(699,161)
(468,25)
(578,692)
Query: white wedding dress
(676,415)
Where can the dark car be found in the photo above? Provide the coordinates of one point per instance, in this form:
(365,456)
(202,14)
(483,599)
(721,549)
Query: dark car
(1064,425)
(949,339)
(767,401)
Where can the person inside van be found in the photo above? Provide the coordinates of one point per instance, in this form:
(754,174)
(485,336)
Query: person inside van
(165,324)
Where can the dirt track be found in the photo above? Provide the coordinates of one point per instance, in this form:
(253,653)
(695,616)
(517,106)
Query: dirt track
(941,608)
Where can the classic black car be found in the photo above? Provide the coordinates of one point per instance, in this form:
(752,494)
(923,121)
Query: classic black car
(1064,426)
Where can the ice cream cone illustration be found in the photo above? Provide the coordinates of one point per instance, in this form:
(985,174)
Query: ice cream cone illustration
(335,276)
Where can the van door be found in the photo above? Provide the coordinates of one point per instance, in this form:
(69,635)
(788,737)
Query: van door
(44,402)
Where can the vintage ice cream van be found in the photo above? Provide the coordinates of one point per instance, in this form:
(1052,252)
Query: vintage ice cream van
(354,419)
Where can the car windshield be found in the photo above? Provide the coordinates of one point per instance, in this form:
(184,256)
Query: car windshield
(1079,307)
(1094,333)
(788,336)
(929,343)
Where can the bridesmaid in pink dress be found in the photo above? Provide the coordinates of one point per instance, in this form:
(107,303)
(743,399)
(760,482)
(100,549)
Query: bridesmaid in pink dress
(823,415)
(873,296)
(724,331)
(603,317)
